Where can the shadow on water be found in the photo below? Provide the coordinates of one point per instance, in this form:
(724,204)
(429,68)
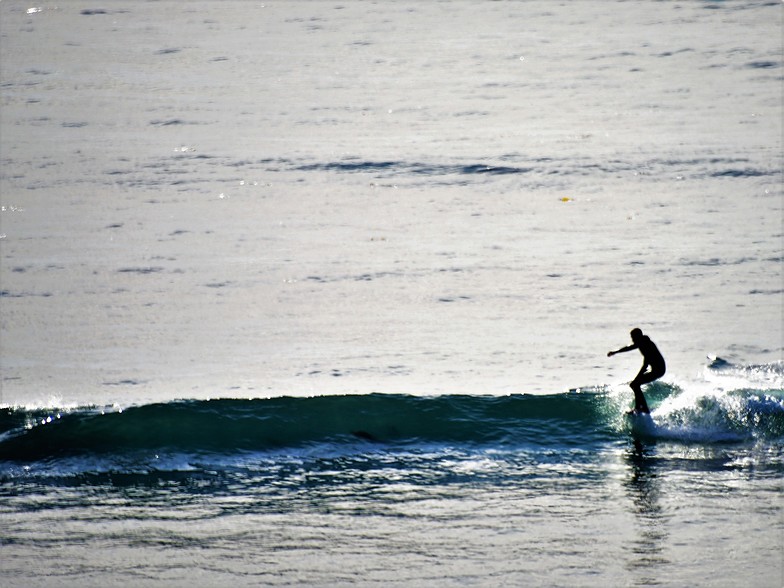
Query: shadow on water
(647,551)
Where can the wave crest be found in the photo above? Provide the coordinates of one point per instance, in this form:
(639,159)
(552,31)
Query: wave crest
(232,426)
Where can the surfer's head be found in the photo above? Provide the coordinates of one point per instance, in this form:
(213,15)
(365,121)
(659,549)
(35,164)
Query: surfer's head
(636,335)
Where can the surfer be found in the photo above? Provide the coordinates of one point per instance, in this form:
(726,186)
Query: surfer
(651,358)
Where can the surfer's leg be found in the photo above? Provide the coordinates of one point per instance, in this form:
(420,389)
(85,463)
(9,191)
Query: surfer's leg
(640,405)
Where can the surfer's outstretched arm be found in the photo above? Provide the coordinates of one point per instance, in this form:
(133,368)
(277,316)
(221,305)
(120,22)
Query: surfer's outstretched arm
(622,350)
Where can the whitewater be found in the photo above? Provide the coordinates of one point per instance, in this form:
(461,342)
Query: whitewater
(321,293)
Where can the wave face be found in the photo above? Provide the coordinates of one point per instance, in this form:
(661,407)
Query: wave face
(232,426)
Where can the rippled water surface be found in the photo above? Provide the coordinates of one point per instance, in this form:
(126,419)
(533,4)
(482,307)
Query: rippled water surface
(320,293)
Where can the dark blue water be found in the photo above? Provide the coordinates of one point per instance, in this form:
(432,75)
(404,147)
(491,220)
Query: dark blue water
(228,427)
(313,490)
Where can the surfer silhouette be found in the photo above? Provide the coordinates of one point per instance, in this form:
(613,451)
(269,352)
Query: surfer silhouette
(652,358)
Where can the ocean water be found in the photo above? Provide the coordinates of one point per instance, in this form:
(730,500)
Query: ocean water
(320,293)
(401,490)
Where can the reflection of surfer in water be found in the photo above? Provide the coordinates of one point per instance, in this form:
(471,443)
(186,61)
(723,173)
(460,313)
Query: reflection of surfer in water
(651,358)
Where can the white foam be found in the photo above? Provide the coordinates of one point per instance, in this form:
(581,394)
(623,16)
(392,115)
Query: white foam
(703,412)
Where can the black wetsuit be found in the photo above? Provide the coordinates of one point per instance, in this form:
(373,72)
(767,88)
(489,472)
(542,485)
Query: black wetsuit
(653,359)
